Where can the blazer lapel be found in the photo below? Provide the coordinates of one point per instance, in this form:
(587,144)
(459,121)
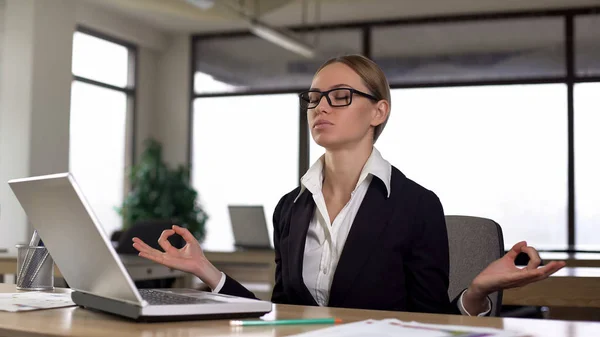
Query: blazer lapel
(302,212)
(372,217)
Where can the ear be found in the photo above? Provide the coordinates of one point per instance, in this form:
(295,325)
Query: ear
(382,111)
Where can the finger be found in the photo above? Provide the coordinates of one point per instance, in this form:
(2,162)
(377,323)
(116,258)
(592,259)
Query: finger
(552,267)
(541,273)
(519,279)
(143,247)
(185,233)
(534,257)
(163,259)
(533,276)
(140,243)
(164,242)
(156,258)
(515,250)
(146,250)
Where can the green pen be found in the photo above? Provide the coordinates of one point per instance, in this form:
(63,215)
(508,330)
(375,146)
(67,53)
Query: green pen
(287,322)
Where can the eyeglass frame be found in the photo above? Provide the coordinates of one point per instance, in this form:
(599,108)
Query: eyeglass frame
(326,95)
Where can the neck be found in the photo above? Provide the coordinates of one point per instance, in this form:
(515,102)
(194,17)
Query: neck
(342,168)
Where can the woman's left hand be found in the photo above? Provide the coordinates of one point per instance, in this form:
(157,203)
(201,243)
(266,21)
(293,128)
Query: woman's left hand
(504,274)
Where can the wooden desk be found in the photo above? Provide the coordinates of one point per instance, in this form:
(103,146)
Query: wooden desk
(569,287)
(75,321)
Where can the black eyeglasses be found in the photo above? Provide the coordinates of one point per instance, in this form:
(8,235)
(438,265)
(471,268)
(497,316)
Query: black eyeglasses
(337,97)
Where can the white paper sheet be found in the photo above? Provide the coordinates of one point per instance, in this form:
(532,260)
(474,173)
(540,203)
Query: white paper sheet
(28,301)
(394,327)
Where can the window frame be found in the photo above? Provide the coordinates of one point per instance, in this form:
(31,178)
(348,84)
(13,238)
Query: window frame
(570,78)
(130,91)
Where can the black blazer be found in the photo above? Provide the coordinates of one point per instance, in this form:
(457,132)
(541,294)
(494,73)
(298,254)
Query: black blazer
(395,257)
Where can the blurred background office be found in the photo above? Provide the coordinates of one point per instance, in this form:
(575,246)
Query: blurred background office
(495,103)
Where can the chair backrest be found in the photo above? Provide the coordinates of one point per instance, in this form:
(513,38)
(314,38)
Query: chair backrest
(474,243)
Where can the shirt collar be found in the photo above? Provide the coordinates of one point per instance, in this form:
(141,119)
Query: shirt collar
(376,165)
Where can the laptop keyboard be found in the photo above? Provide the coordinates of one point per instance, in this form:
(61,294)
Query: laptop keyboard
(163,298)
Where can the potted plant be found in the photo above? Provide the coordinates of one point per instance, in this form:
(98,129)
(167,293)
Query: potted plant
(161,193)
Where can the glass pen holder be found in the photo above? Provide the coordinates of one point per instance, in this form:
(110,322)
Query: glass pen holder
(35,268)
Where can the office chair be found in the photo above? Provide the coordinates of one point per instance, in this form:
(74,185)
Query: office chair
(474,243)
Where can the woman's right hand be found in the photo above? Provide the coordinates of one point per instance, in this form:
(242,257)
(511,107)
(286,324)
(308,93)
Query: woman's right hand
(189,259)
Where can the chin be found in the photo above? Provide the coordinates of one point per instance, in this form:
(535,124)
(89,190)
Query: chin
(327,141)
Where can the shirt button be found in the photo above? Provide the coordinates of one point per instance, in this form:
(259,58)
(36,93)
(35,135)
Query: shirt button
(325,271)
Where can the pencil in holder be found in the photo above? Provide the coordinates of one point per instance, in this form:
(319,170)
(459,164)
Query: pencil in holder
(35,268)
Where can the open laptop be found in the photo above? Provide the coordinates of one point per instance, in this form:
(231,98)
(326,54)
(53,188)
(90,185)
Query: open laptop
(249,227)
(56,207)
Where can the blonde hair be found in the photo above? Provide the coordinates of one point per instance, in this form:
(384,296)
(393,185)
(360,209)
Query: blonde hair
(373,78)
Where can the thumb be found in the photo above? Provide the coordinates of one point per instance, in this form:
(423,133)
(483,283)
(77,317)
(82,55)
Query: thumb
(516,249)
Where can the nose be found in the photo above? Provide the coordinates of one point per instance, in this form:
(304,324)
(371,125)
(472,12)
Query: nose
(323,106)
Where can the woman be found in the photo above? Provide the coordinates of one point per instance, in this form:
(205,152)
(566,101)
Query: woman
(357,233)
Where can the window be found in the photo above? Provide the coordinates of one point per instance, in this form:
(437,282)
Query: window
(101,97)
(498,152)
(497,83)
(475,51)
(247,63)
(587,166)
(244,153)
(100,60)
(587,43)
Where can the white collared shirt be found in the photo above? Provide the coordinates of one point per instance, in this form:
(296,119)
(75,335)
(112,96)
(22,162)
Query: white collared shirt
(325,240)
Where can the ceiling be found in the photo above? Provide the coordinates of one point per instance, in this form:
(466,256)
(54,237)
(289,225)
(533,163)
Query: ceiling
(180,16)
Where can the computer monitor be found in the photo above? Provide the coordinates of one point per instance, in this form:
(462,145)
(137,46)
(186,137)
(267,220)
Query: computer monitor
(249,227)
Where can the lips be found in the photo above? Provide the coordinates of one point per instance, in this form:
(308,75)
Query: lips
(321,123)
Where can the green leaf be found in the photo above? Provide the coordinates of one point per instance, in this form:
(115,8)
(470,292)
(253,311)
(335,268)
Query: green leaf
(161,193)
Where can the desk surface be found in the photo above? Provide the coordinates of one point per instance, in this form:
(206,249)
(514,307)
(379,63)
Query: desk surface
(80,322)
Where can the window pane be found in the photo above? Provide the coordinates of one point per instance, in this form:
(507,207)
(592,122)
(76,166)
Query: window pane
(491,50)
(97,149)
(587,166)
(587,45)
(498,152)
(100,60)
(246,63)
(244,153)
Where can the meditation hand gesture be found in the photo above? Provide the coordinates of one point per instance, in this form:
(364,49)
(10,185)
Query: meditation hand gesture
(189,259)
(504,274)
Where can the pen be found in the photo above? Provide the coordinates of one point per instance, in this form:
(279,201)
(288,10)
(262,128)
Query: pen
(287,322)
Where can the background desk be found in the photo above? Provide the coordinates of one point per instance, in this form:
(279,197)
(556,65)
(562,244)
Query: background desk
(75,321)
(139,269)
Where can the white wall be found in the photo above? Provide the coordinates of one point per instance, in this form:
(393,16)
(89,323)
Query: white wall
(34,110)
(173,99)
(2,21)
(147,97)
(120,26)
(35,83)
(150,41)
(163,92)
